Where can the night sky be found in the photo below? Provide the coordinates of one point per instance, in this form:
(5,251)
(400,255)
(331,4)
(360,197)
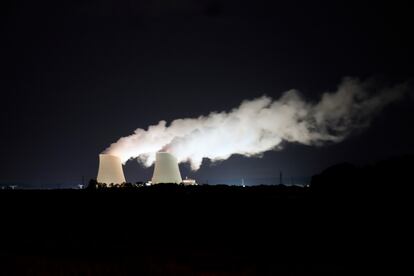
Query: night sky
(78,75)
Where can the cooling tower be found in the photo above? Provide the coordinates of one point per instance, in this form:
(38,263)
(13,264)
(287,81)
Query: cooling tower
(110,170)
(166,169)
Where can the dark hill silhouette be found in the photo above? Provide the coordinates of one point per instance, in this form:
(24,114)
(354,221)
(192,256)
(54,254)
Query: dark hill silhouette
(390,175)
(337,177)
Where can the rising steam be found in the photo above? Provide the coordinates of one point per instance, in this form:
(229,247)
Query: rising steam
(260,125)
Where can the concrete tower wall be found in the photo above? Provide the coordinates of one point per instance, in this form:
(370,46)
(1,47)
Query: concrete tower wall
(166,169)
(110,170)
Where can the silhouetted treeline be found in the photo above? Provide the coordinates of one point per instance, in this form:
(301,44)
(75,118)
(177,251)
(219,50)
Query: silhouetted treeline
(392,174)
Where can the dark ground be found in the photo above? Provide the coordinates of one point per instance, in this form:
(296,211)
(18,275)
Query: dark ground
(177,230)
(348,217)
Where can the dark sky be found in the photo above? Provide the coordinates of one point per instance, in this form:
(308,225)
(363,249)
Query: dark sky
(78,75)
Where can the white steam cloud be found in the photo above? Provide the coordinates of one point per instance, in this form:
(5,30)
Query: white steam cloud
(260,125)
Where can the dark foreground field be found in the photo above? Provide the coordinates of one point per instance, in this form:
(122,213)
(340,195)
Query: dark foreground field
(203,230)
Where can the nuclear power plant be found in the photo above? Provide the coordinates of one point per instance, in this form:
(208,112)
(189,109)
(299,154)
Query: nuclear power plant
(166,169)
(110,170)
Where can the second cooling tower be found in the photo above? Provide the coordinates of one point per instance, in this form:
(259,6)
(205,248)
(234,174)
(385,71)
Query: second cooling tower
(166,169)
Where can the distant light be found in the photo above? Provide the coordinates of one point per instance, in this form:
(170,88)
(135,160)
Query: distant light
(243,185)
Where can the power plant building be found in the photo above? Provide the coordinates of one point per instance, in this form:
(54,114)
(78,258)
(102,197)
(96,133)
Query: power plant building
(189,182)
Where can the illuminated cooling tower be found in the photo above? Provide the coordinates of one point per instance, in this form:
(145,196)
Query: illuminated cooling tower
(166,169)
(110,170)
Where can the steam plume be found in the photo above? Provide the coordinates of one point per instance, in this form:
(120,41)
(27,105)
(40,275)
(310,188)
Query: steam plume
(260,125)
